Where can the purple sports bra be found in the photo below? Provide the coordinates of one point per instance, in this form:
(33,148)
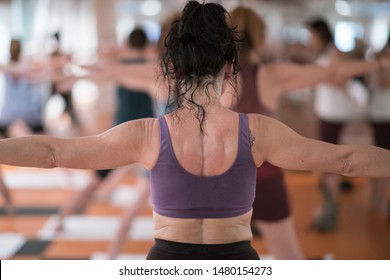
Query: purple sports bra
(177,193)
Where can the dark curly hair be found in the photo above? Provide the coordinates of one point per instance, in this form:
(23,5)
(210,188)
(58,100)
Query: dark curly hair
(196,49)
(321,27)
(137,39)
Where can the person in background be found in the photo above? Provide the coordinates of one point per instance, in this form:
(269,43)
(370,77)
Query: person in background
(336,106)
(60,75)
(143,78)
(262,83)
(379,116)
(271,211)
(25,96)
(131,104)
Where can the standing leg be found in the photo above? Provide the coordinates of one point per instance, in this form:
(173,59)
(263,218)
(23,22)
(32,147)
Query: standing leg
(78,200)
(129,215)
(327,218)
(272,215)
(6,194)
(111,182)
(281,238)
(99,179)
(381,186)
(380,196)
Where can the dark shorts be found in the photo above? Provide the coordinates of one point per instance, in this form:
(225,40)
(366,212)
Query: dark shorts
(381,134)
(271,201)
(330,131)
(169,250)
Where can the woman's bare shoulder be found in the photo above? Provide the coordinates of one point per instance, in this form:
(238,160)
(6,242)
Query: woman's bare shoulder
(147,127)
(256,119)
(148,133)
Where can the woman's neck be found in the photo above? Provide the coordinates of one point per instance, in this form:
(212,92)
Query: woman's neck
(207,93)
(209,100)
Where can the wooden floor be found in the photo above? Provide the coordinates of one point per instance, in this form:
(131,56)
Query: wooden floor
(38,194)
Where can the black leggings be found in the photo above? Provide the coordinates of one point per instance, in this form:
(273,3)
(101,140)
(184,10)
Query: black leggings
(170,250)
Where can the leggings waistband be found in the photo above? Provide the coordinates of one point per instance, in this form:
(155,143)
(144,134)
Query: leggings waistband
(171,250)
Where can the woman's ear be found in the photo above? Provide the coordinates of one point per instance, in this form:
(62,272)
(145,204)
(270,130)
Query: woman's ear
(228,70)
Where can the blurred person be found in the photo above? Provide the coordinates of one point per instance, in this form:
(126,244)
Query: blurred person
(143,194)
(25,96)
(60,74)
(261,84)
(336,106)
(203,157)
(271,211)
(131,104)
(379,116)
(133,68)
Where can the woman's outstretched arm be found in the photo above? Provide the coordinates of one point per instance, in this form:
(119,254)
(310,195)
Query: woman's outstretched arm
(125,144)
(283,147)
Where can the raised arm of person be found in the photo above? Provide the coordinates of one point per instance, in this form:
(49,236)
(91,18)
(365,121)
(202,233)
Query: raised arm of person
(12,68)
(131,142)
(276,78)
(279,145)
(142,77)
(33,71)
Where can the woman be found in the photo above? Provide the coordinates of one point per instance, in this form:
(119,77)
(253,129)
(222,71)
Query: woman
(335,108)
(202,156)
(25,95)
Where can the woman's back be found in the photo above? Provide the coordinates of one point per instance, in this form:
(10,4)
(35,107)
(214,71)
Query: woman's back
(219,167)
(210,154)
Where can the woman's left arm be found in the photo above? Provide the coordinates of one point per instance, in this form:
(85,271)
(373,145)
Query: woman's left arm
(131,142)
(281,146)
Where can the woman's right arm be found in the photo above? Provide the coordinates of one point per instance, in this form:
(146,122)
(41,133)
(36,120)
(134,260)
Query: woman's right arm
(131,142)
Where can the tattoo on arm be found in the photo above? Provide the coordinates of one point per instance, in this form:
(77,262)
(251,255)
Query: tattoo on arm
(251,138)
